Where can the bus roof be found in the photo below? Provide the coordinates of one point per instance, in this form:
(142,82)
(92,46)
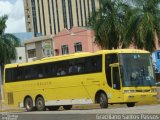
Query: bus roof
(75,55)
(125,51)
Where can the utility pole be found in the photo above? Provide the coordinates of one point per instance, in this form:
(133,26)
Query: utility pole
(1,90)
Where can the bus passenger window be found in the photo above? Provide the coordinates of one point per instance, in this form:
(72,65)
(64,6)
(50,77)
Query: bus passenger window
(80,68)
(40,71)
(61,71)
(73,68)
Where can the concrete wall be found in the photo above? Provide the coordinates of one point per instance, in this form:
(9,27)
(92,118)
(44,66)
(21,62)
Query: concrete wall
(21,55)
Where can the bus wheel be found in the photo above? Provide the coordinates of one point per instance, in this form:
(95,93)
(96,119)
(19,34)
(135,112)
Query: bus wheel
(130,104)
(103,100)
(40,104)
(53,107)
(67,107)
(28,103)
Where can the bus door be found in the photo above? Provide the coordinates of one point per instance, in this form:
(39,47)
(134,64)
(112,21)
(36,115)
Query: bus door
(117,93)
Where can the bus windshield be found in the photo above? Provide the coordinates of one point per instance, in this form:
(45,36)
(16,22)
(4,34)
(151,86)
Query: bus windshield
(136,70)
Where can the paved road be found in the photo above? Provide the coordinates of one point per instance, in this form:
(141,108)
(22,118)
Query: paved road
(138,112)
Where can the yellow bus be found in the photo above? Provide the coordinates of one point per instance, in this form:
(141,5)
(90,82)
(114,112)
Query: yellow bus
(122,76)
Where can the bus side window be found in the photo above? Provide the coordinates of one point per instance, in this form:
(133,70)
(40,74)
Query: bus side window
(80,68)
(40,71)
(27,73)
(9,75)
(46,68)
(19,74)
(62,68)
(79,65)
(73,69)
(53,69)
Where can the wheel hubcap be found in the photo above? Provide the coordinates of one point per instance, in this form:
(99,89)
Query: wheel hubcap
(28,104)
(101,100)
(40,104)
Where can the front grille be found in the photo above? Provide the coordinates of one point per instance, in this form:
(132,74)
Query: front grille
(142,90)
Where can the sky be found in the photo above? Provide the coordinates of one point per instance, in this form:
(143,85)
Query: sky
(15,11)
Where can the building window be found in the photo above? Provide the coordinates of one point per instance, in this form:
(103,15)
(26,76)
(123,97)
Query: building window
(50,23)
(70,13)
(88,8)
(53,17)
(20,57)
(81,12)
(64,13)
(64,49)
(44,23)
(77,12)
(85,12)
(29,30)
(78,47)
(93,6)
(31,53)
(39,15)
(34,17)
(57,15)
(158,55)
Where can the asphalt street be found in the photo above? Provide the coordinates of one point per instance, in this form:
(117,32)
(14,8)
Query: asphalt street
(146,112)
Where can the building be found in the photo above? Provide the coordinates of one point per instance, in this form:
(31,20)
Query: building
(38,48)
(51,16)
(21,55)
(78,39)
(22,36)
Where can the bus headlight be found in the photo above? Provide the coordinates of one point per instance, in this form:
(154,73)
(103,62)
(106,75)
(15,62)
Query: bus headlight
(129,91)
(154,90)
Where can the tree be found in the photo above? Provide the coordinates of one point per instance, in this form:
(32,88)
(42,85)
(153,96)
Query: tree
(109,23)
(8,42)
(126,22)
(143,23)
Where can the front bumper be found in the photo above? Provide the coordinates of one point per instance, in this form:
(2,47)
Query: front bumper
(140,97)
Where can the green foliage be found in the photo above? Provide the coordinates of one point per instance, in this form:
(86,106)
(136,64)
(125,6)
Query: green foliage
(8,42)
(108,24)
(143,24)
(127,22)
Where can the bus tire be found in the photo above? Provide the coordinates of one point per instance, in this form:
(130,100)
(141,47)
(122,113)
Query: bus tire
(28,104)
(103,100)
(132,104)
(40,104)
(53,107)
(67,107)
